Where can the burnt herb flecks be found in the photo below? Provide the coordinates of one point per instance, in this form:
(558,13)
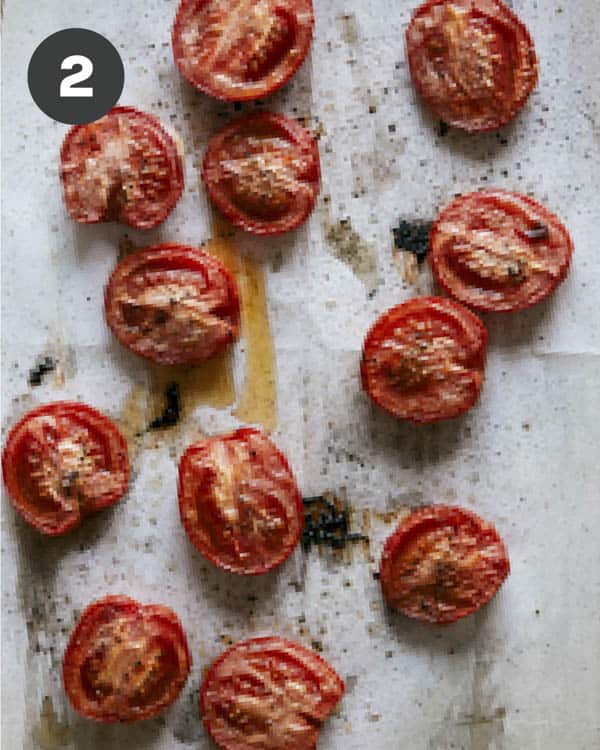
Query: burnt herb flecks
(413,237)
(326,522)
(36,375)
(538,232)
(172,412)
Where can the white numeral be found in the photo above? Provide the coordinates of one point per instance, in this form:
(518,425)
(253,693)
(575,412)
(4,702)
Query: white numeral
(67,84)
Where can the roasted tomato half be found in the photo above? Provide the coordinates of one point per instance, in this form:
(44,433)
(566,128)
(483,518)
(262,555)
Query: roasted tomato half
(499,251)
(125,661)
(268,694)
(473,61)
(239,502)
(262,172)
(423,360)
(241,49)
(173,304)
(124,167)
(442,563)
(61,462)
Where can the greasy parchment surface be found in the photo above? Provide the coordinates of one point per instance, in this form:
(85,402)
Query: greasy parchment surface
(524,672)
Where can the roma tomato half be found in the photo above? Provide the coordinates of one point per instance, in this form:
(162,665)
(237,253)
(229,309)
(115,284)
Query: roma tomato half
(473,61)
(268,694)
(239,502)
(173,304)
(61,462)
(424,360)
(241,49)
(125,661)
(262,172)
(499,251)
(123,167)
(442,563)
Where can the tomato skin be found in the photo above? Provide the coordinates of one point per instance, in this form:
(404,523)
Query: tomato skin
(173,304)
(274,59)
(472,61)
(36,487)
(262,171)
(482,256)
(441,564)
(107,649)
(269,694)
(139,186)
(424,360)
(239,502)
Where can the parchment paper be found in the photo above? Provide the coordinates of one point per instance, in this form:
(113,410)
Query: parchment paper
(522,673)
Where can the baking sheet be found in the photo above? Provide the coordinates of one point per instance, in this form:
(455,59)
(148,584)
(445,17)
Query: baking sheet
(524,672)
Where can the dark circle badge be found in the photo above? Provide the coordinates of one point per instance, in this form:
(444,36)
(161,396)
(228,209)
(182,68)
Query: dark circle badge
(75,76)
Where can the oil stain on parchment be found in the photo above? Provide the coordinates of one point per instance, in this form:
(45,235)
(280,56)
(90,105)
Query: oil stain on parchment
(484,722)
(258,400)
(208,384)
(142,413)
(47,621)
(49,733)
(349,247)
(257,403)
(349,28)
(132,419)
(406,265)
(371,516)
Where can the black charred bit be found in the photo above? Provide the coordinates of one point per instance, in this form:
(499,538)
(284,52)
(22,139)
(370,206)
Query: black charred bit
(413,237)
(172,412)
(36,375)
(327,523)
(443,128)
(537,232)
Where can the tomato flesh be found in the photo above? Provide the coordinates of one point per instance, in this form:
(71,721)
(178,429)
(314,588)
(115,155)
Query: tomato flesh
(268,694)
(173,304)
(61,462)
(125,661)
(499,251)
(124,167)
(244,50)
(473,61)
(239,502)
(442,563)
(424,360)
(262,171)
